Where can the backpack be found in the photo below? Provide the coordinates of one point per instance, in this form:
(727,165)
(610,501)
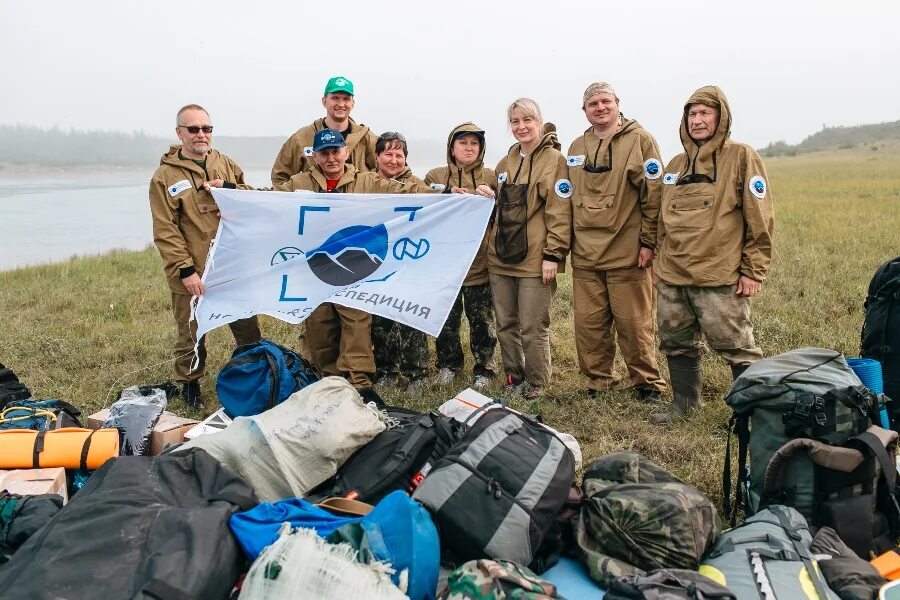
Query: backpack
(880,337)
(398,458)
(806,420)
(498,491)
(260,376)
(768,556)
(40,415)
(668,584)
(638,517)
(496,580)
(11,389)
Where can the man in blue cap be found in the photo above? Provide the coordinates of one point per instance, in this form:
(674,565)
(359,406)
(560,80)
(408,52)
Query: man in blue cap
(296,153)
(338,339)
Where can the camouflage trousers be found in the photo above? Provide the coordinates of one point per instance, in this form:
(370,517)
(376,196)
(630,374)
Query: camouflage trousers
(476,301)
(399,349)
(684,312)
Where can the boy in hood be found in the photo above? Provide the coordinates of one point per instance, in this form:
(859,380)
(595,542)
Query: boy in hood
(464,172)
(714,246)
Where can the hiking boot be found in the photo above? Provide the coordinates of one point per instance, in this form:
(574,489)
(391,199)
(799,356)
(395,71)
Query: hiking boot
(416,385)
(480,382)
(190,392)
(649,395)
(687,384)
(738,370)
(444,376)
(514,386)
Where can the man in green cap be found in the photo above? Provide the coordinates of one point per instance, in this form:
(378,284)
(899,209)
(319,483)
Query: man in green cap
(296,153)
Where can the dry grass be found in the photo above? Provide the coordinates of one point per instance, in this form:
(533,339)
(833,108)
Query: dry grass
(84,329)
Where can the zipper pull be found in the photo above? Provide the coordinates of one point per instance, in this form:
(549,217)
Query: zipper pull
(490,486)
(497,492)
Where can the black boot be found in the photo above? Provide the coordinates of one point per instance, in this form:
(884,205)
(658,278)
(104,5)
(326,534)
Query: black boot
(687,384)
(190,392)
(738,370)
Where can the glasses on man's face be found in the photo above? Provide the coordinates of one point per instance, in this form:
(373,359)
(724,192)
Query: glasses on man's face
(195,129)
(392,135)
(695,178)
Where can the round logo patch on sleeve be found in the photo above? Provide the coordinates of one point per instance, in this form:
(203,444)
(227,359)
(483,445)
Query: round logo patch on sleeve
(758,187)
(563,188)
(501,178)
(652,168)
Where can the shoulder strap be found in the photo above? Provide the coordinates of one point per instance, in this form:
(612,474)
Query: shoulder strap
(805,556)
(38,448)
(888,467)
(400,454)
(85,449)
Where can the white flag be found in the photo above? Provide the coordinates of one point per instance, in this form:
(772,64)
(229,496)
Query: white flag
(401,256)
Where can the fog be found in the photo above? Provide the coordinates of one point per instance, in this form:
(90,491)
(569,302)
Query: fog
(423,67)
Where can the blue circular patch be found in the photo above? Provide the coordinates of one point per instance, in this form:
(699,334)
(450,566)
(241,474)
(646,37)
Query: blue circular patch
(758,187)
(652,168)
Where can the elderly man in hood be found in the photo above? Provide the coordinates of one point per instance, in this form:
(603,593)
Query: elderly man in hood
(714,248)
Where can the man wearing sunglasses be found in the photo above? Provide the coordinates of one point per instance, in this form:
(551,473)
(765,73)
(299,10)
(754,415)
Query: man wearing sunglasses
(185,220)
(296,153)
(714,248)
(615,170)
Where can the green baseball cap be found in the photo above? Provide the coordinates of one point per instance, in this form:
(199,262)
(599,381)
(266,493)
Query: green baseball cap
(338,84)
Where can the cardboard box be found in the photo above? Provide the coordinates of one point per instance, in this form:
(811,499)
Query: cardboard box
(212,424)
(170,429)
(30,482)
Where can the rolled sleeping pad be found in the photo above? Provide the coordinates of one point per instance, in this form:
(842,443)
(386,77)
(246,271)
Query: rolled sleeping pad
(69,447)
(869,372)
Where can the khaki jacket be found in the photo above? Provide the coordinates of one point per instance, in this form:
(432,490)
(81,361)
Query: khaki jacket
(406,177)
(295,155)
(614,213)
(443,178)
(711,233)
(549,210)
(351,182)
(185,217)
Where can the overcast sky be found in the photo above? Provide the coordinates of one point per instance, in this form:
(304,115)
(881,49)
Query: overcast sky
(787,67)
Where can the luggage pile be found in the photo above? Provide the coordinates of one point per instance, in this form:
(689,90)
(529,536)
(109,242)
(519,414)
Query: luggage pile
(317,493)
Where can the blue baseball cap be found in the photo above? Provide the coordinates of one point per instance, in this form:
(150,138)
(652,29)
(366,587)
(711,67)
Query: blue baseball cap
(328,138)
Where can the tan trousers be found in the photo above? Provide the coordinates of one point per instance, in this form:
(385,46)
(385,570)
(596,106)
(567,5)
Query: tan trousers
(522,309)
(245,331)
(610,304)
(340,343)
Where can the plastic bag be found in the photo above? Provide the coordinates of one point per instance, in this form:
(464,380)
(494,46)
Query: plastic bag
(135,414)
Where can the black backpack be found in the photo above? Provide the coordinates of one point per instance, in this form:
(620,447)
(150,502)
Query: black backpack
(11,389)
(881,330)
(398,458)
(498,491)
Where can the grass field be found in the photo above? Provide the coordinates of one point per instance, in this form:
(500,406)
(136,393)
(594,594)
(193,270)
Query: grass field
(84,329)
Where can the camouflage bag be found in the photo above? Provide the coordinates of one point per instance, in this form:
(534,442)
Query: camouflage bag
(496,580)
(637,517)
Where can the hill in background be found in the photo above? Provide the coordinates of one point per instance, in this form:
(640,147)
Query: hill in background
(839,138)
(26,145)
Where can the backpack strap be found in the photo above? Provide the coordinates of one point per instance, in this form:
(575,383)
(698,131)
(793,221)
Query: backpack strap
(85,449)
(888,467)
(273,379)
(803,553)
(38,448)
(398,456)
(740,425)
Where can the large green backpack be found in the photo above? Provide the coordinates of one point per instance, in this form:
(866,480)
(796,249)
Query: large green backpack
(806,420)
(637,517)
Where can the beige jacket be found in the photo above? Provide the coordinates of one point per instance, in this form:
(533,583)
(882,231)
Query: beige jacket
(351,182)
(295,155)
(443,178)
(406,177)
(615,212)
(549,209)
(711,233)
(185,217)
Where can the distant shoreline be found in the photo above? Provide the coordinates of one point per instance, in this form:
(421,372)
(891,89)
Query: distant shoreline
(41,170)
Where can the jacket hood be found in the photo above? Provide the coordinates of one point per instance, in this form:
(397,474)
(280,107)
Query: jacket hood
(701,159)
(548,140)
(457,131)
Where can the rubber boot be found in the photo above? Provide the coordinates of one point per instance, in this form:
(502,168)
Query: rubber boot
(687,384)
(738,370)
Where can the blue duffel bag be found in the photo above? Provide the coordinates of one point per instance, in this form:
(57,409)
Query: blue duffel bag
(261,375)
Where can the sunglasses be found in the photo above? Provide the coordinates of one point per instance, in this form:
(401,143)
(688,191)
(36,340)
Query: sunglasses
(197,128)
(392,135)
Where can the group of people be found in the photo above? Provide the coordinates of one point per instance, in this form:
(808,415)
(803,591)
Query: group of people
(690,241)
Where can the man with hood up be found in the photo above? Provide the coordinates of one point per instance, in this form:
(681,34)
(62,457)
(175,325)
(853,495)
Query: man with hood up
(616,177)
(464,172)
(714,248)
(185,220)
(296,153)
